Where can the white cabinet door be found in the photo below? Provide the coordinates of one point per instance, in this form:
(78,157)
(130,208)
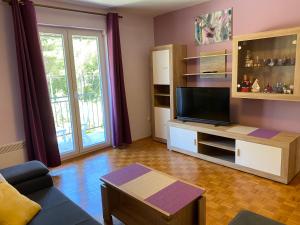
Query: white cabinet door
(161,67)
(260,157)
(162,116)
(183,139)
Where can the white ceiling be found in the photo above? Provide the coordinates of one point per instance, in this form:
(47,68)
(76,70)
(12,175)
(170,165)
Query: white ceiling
(146,7)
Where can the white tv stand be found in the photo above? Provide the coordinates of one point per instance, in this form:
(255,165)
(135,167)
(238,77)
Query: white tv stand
(277,158)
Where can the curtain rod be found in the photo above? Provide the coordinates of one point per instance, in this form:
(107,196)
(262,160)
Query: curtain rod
(65,9)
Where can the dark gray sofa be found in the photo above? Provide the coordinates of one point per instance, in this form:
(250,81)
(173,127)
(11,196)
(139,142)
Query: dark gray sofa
(33,180)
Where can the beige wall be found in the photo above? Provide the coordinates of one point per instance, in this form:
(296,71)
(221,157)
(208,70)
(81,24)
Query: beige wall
(136,39)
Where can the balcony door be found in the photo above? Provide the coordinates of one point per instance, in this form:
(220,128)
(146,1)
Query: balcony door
(75,67)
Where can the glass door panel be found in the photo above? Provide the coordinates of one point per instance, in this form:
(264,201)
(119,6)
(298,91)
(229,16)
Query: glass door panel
(89,89)
(267,65)
(53,49)
(75,67)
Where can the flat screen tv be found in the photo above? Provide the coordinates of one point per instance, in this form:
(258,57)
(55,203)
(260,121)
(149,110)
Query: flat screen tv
(203,104)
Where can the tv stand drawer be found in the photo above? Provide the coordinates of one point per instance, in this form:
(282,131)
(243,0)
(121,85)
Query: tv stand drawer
(260,157)
(183,139)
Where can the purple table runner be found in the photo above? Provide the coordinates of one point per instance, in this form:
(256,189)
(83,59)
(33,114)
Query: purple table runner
(126,174)
(264,133)
(175,196)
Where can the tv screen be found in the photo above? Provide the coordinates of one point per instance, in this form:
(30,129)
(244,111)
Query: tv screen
(203,104)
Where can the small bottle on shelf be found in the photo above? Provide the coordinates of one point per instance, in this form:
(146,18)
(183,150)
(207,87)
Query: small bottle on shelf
(246,84)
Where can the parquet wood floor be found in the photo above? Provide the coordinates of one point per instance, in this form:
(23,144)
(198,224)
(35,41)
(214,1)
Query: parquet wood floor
(228,190)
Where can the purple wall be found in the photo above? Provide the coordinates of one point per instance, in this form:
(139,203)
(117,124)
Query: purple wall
(249,16)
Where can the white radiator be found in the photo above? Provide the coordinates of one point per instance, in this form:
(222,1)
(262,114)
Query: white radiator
(12,154)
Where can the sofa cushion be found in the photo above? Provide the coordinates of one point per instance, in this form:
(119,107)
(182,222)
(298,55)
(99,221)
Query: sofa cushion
(15,208)
(57,209)
(23,172)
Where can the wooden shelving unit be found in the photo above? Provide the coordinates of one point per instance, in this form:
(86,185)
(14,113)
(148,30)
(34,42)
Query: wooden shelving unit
(212,64)
(167,67)
(252,54)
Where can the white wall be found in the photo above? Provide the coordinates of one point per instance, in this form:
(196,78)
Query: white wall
(136,41)
(11,129)
(137,38)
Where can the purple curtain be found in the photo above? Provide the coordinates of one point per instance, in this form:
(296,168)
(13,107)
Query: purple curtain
(40,134)
(119,113)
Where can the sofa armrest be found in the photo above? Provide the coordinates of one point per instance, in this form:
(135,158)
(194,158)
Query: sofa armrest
(24,172)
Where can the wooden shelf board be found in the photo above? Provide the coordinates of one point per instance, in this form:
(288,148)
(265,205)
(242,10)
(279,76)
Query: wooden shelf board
(223,144)
(207,74)
(162,94)
(206,56)
(158,85)
(162,106)
(215,156)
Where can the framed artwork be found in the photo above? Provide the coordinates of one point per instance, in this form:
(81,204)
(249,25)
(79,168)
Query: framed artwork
(213,27)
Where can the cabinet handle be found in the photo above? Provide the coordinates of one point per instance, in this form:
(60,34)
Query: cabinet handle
(238,152)
(195,142)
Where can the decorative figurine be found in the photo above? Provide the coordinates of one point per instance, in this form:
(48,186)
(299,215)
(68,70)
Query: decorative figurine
(272,62)
(286,89)
(266,61)
(268,89)
(287,61)
(280,62)
(278,88)
(255,86)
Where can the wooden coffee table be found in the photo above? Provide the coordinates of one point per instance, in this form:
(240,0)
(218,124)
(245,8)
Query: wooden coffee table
(139,195)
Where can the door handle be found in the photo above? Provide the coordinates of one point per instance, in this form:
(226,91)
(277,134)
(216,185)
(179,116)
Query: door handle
(238,152)
(195,142)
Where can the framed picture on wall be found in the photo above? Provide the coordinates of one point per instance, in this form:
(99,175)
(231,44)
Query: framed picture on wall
(213,27)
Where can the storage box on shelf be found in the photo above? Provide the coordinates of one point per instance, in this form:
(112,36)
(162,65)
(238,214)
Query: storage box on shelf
(266,65)
(212,64)
(276,158)
(167,66)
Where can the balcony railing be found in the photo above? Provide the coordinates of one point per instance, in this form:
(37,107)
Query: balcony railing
(90,115)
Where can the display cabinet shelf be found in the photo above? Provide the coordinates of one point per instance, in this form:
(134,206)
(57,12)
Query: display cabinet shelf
(266,65)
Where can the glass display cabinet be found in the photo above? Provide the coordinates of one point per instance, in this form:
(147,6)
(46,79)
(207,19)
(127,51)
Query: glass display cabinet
(266,65)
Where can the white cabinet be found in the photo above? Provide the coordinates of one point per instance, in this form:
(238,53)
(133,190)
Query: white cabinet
(183,139)
(162,116)
(161,67)
(260,157)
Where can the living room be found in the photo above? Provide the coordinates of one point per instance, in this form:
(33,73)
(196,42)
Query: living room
(199,99)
